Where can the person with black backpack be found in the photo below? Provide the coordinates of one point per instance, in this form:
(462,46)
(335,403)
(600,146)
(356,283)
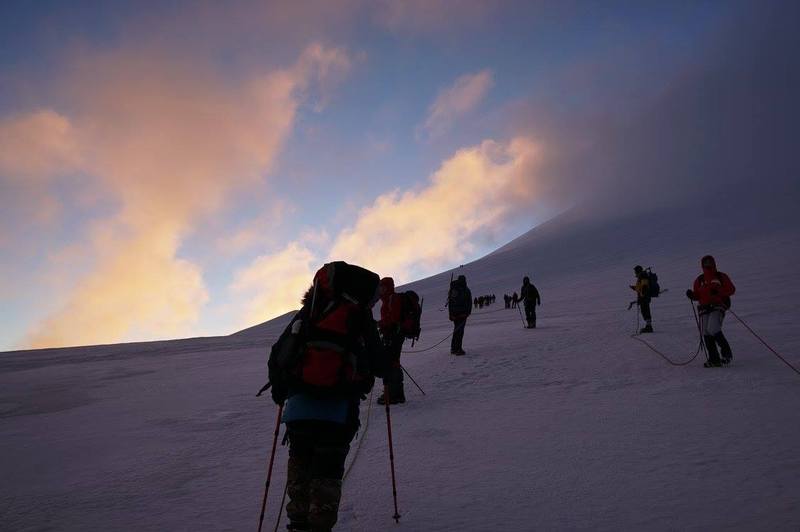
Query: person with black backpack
(393,338)
(459,303)
(320,368)
(643,297)
(530,298)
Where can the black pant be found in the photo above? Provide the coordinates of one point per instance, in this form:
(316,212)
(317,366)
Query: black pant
(530,313)
(644,306)
(394,377)
(459,324)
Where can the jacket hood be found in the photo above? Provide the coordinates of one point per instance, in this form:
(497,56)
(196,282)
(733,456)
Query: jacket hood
(387,283)
(708,259)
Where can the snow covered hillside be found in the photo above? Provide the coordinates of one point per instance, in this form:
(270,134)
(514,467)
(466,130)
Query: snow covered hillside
(573,425)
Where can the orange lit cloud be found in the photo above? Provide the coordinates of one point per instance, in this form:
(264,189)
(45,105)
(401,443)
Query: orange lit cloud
(456,101)
(273,284)
(168,142)
(37,146)
(475,191)
(139,289)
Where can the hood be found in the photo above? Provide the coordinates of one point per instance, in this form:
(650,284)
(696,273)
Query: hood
(712,267)
(386,286)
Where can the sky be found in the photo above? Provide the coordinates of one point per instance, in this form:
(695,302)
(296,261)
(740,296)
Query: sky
(175,169)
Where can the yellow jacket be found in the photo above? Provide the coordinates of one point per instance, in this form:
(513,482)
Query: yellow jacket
(642,287)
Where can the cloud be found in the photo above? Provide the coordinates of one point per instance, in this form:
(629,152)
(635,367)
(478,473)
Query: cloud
(274,284)
(37,146)
(168,142)
(474,192)
(430,16)
(258,232)
(140,289)
(452,103)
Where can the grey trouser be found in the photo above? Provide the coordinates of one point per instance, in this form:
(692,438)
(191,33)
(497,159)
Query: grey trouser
(711,321)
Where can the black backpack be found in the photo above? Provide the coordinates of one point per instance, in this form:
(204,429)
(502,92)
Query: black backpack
(654,290)
(459,300)
(411,315)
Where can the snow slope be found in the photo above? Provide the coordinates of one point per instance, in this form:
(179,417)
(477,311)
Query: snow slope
(573,425)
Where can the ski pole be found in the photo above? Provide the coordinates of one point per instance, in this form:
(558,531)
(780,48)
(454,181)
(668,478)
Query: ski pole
(524,323)
(699,329)
(386,401)
(280,510)
(412,379)
(416,338)
(269,470)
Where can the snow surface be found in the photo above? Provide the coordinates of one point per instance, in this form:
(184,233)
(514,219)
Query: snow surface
(571,426)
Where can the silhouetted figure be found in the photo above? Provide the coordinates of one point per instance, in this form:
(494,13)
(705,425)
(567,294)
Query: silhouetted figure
(393,338)
(642,289)
(530,298)
(459,300)
(321,397)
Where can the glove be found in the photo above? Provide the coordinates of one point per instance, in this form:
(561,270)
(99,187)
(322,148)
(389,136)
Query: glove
(690,294)
(279,395)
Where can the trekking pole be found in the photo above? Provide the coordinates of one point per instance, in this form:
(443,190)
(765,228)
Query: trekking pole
(412,379)
(280,510)
(269,470)
(396,515)
(699,329)
(524,323)
(416,338)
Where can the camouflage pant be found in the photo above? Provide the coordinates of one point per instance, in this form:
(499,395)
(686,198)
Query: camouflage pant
(317,452)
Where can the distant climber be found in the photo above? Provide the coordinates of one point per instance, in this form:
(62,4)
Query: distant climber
(713,290)
(393,338)
(530,299)
(642,289)
(459,303)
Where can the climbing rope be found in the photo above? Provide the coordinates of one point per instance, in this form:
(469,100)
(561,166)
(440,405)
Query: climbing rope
(700,346)
(440,342)
(361,439)
(764,342)
(665,357)
(437,344)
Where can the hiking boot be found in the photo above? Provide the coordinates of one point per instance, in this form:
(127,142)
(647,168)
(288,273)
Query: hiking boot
(646,329)
(713,364)
(724,347)
(460,352)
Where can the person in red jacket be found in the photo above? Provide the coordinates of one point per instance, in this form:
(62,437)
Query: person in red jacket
(713,290)
(393,338)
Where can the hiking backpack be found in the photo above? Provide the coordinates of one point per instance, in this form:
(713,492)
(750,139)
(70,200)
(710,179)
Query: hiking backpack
(410,315)
(459,299)
(322,353)
(654,290)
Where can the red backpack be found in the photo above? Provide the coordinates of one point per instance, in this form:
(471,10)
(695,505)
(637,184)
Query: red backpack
(321,354)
